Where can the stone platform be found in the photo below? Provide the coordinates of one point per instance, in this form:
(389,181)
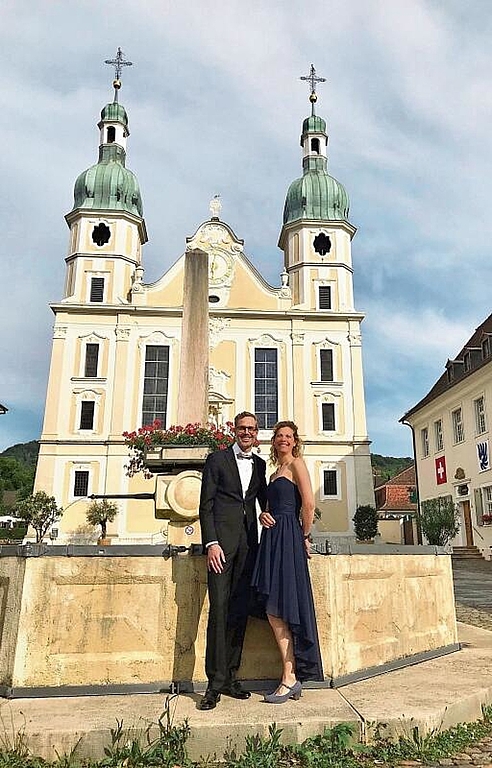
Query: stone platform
(86,620)
(434,694)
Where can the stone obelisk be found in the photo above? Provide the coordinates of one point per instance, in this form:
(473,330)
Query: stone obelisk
(193,369)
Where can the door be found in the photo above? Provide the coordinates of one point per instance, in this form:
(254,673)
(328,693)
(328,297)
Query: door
(468,523)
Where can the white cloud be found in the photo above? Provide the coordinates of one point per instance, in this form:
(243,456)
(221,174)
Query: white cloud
(215,105)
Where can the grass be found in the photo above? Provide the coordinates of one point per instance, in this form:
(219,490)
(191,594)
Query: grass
(164,744)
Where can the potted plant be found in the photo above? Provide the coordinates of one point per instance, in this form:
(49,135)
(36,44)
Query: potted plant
(101,513)
(147,444)
(365,523)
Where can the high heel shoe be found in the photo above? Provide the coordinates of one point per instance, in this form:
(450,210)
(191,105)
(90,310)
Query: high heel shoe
(293,692)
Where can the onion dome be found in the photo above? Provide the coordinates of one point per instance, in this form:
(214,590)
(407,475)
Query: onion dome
(108,185)
(316,195)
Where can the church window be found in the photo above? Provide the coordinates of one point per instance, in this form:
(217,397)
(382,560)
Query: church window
(324,296)
(81,483)
(315,146)
(87,414)
(330,485)
(326,364)
(101,234)
(155,385)
(457,421)
(328,417)
(97,289)
(111,134)
(266,387)
(214,299)
(91,360)
(322,244)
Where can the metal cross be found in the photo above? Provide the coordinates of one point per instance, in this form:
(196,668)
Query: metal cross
(312,78)
(118,62)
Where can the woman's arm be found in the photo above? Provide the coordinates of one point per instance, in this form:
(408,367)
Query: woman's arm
(300,475)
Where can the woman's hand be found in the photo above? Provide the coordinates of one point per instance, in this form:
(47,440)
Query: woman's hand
(266,520)
(307,544)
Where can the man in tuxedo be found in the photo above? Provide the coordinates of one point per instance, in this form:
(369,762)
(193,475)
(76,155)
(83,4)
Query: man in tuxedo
(232,481)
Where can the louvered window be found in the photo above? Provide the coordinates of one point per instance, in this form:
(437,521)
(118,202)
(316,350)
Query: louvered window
(97,288)
(326,364)
(87,414)
(91,359)
(324,296)
(328,413)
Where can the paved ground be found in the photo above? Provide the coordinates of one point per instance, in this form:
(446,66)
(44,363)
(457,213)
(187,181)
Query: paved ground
(435,694)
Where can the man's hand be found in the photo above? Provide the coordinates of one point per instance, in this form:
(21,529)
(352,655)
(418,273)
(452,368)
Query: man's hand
(215,558)
(266,520)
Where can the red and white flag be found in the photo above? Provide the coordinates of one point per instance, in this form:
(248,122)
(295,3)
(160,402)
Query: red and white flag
(441,476)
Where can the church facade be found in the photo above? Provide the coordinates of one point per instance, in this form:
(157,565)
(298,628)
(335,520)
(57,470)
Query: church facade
(286,352)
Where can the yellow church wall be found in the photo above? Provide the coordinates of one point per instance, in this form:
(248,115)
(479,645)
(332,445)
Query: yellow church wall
(246,293)
(168,295)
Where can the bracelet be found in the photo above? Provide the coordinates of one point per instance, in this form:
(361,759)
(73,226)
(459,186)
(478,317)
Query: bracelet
(307,536)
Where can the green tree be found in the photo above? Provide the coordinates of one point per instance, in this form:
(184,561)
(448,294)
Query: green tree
(40,512)
(365,522)
(101,513)
(439,520)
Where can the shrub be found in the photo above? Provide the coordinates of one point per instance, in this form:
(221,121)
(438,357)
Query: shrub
(40,512)
(439,520)
(365,522)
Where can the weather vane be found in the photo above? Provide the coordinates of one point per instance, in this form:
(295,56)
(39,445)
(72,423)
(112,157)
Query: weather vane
(118,63)
(313,79)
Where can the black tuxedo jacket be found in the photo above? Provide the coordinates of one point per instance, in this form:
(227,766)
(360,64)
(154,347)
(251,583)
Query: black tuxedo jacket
(222,505)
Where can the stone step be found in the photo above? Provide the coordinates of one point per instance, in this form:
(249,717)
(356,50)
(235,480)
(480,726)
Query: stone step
(466,553)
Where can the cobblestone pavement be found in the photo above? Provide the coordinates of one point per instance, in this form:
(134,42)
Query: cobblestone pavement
(480,754)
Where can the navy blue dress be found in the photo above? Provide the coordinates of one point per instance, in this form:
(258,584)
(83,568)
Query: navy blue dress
(281,577)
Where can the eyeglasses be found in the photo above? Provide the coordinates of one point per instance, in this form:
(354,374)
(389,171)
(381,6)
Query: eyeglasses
(251,430)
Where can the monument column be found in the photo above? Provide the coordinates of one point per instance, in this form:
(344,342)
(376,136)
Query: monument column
(193,368)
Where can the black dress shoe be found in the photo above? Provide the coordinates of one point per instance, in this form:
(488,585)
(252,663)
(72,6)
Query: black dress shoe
(236,690)
(210,699)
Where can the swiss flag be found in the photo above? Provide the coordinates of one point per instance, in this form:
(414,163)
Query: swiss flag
(441,476)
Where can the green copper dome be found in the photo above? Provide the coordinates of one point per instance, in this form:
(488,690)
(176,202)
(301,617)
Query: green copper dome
(313,124)
(316,195)
(108,185)
(114,113)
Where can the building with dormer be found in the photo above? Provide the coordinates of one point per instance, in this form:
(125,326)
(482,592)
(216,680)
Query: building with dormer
(451,438)
(291,351)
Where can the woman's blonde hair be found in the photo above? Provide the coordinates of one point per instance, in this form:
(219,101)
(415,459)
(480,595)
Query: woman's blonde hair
(296,450)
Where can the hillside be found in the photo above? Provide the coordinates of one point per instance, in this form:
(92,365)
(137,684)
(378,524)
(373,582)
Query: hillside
(27,453)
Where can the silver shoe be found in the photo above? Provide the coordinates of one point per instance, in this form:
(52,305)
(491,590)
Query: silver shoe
(293,692)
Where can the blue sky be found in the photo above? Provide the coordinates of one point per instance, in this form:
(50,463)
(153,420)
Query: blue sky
(215,106)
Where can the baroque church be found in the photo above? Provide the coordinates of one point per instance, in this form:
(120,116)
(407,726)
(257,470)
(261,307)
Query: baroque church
(293,352)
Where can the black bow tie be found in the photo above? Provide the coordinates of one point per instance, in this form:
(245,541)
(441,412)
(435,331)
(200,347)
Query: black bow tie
(245,456)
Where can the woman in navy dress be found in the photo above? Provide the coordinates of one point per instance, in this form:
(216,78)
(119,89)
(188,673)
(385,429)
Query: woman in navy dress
(281,575)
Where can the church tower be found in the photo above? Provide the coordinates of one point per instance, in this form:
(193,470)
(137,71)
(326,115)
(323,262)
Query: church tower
(316,234)
(107,229)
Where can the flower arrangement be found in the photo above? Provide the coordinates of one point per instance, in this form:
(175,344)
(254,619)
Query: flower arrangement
(487,518)
(148,437)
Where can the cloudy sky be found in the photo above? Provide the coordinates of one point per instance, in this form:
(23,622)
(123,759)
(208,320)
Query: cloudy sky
(215,106)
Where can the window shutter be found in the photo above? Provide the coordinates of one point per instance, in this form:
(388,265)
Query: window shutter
(324,296)
(87,414)
(328,413)
(478,505)
(97,288)
(326,364)
(91,358)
